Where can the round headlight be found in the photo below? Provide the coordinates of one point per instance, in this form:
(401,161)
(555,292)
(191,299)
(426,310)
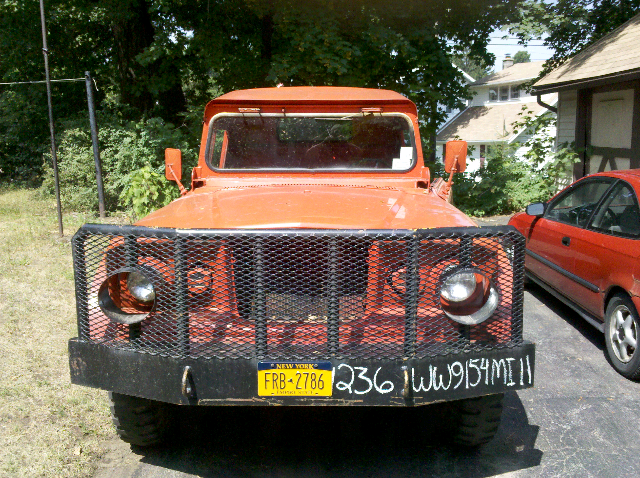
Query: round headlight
(127,296)
(140,287)
(459,287)
(468,297)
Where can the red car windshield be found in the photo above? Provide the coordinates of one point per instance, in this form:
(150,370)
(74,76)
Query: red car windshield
(352,142)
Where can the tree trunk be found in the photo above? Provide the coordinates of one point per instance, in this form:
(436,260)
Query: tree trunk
(132,33)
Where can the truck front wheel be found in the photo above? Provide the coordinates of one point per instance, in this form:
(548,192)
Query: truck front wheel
(475,421)
(139,421)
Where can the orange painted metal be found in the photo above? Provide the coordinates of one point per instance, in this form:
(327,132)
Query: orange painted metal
(308,204)
(312,198)
(173,167)
(315,199)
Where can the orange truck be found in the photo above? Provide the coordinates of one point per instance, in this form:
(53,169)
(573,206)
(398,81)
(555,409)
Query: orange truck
(313,261)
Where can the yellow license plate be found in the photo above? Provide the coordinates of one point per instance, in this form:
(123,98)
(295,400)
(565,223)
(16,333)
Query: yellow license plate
(286,379)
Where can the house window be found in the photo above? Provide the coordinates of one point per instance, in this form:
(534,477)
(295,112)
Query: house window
(515,92)
(449,109)
(493,94)
(504,93)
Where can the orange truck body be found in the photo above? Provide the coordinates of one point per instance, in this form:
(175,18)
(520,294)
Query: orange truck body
(312,236)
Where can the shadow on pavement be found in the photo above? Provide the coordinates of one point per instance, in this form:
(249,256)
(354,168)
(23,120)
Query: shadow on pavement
(567,314)
(339,441)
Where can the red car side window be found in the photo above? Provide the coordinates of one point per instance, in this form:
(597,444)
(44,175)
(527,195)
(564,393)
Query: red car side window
(576,205)
(619,213)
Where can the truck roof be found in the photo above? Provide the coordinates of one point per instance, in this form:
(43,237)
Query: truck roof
(311,96)
(333,94)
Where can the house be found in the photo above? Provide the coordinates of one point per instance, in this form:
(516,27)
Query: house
(453,112)
(498,102)
(599,101)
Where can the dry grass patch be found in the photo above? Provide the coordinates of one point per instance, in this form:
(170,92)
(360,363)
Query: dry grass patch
(47,426)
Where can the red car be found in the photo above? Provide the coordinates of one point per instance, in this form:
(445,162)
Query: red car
(583,246)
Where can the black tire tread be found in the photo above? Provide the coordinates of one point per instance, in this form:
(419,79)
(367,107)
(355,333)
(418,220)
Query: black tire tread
(476,420)
(138,421)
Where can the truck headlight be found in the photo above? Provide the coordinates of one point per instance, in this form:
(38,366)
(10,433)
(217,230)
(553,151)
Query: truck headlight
(140,287)
(468,297)
(128,295)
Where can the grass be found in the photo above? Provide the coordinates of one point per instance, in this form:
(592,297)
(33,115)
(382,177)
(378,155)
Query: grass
(48,427)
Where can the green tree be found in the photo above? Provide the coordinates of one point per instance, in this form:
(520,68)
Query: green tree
(475,68)
(569,26)
(165,58)
(24,129)
(521,57)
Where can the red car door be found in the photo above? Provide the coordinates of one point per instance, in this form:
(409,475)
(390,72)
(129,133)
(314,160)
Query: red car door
(606,254)
(551,245)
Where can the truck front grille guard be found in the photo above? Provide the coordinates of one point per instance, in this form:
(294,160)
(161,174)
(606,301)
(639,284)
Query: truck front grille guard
(292,294)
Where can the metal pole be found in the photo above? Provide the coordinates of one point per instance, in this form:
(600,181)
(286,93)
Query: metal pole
(94,141)
(45,52)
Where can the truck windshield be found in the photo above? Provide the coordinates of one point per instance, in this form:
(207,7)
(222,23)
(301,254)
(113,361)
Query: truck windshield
(352,142)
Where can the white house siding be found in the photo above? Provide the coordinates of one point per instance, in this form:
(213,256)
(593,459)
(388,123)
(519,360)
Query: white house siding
(566,126)
(481,96)
(611,119)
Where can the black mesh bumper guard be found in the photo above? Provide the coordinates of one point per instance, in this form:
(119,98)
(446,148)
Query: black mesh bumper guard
(233,298)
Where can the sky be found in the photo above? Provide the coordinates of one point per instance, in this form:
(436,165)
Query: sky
(500,48)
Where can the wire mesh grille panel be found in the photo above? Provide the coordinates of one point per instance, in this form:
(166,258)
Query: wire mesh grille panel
(292,294)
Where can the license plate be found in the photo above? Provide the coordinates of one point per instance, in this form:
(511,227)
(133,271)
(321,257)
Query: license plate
(280,379)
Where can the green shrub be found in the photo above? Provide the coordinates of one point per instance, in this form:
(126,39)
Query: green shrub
(490,190)
(146,190)
(125,148)
(508,182)
(24,135)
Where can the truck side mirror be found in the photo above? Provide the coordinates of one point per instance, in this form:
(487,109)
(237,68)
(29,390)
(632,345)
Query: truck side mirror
(173,167)
(173,164)
(456,152)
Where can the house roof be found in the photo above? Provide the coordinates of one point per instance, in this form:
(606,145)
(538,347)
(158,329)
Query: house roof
(615,54)
(518,72)
(492,122)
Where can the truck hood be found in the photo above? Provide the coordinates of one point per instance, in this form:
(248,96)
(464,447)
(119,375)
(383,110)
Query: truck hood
(309,207)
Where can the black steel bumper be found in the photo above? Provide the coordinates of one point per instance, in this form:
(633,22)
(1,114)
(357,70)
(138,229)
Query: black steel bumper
(391,382)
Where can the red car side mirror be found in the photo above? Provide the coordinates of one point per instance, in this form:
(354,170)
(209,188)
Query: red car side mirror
(536,209)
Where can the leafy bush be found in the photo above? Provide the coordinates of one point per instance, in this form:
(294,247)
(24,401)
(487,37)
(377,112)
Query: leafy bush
(125,148)
(24,135)
(508,181)
(146,190)
(490,190)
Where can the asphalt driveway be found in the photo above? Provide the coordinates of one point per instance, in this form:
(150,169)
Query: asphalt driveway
(582,419)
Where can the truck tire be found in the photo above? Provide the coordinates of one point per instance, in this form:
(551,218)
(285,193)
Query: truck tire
(621,328)
(139,421)
(475,421)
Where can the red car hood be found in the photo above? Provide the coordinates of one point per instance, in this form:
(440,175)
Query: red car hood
(311,207)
